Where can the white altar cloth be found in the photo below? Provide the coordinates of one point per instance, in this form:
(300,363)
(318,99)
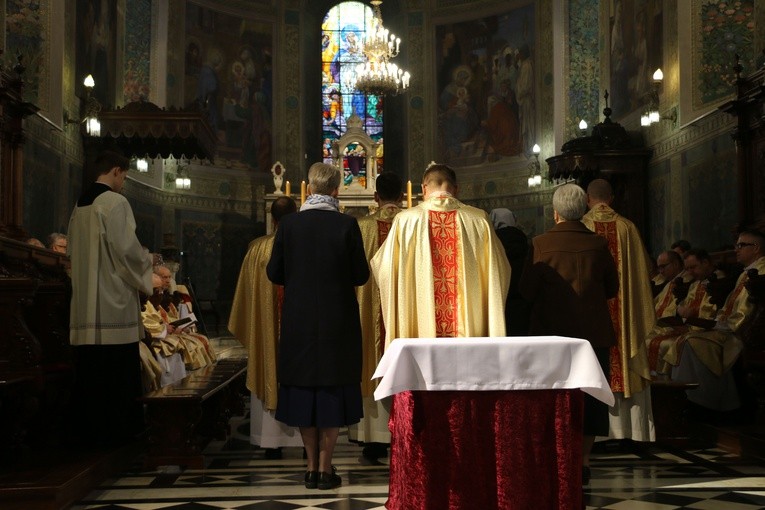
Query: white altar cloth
(491,364)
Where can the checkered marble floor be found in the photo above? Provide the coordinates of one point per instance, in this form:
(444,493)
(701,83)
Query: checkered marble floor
(239,477)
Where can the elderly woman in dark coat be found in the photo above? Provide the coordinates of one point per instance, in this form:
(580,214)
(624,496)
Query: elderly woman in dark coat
(318,256)
(569,280)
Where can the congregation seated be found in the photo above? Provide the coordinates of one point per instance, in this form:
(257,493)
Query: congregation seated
(33,241)
(691,306)
(659,278)
(174,345)
(706,354)
(57,242)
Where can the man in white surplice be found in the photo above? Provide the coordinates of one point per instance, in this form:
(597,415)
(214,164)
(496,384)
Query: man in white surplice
(109,268)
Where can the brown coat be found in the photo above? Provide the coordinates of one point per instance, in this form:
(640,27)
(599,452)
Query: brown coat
(569,279)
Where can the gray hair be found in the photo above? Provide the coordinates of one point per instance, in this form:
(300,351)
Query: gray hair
(570,202)
(52,238)
(323,178)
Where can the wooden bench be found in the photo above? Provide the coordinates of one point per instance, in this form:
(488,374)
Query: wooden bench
(184,416)
(670,409)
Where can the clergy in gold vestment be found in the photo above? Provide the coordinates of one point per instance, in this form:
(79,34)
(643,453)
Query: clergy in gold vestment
(632,313)
(670,266)
(706,357)
(166,347)
(695,308)
(254,321)
(372,430)
(463,294)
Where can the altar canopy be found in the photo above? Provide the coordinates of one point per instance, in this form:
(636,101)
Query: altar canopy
(490,423)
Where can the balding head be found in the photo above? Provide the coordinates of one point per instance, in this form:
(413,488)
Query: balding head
(281,207)
(670,264)
(599,191)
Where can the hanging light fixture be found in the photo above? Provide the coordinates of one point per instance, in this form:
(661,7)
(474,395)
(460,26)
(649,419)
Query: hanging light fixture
(378,75)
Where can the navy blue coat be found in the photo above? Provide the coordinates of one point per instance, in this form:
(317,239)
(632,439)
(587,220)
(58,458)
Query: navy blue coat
(319,257)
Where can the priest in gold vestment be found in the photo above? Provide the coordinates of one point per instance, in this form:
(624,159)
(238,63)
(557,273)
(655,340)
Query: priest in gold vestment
(670,266)
(372,430)
(254,321)
(632,313)
(442,271)
(686,315)
(707,357)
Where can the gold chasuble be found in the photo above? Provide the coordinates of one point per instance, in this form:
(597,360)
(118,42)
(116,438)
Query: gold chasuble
(718,349)
(632,310)
(254,320)
(442,272)
(661,339)
(374,231)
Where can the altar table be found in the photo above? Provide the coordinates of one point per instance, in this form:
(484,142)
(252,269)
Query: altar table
(487,423)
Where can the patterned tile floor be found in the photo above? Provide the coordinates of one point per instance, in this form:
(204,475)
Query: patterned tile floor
(239,477)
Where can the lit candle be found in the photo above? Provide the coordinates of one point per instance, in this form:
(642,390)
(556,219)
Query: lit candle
(302,192)
(287,188)
(409,194)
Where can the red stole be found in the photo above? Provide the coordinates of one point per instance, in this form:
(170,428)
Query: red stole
(608,231)
(444,251)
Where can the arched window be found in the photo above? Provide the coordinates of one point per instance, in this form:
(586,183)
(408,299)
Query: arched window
(343,31)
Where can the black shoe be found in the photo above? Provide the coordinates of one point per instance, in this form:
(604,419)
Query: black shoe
(328,480)
(311,479)
(373,451)
(273,453)
(586,474)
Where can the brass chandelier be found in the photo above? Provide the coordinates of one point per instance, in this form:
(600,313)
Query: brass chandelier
(378,75)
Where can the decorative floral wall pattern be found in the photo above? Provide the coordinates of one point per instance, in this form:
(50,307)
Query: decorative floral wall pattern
(727,28)
(136,84)
(584,65)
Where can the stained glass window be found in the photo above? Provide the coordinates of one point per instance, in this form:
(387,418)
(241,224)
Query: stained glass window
(343,31)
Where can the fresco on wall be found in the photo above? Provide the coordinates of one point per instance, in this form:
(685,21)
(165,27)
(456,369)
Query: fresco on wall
(486,88)
(635,52)
(25,33)
(136,85)
(228,68)
(96,48)
(717,31)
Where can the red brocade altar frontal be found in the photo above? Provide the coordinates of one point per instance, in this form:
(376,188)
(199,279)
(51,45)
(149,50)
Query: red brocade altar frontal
(488,423)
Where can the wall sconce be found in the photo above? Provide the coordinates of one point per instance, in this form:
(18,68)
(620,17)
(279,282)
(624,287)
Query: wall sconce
(583,127)
(182,180)
(142,165)
(535,168)
(90,110)
(652,115)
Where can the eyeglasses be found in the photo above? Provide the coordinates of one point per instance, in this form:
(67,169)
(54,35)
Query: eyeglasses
(738,246)
(663,266)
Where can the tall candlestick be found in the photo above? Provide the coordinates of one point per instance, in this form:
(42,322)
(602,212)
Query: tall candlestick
(409,194)
(302,192)
(287,188)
